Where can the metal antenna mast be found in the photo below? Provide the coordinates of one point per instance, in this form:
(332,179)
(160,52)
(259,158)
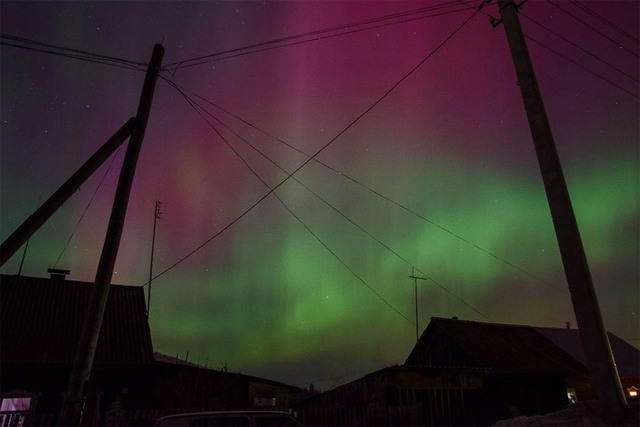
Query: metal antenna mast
(415,289)
(156,217)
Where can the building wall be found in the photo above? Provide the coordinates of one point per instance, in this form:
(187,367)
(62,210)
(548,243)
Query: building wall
(398,396)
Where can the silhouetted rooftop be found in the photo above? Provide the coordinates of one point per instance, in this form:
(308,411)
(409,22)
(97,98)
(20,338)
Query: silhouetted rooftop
(41,320)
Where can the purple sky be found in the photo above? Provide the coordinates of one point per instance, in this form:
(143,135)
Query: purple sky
(450,143)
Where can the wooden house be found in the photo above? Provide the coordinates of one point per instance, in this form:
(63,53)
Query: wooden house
(40,324)
(471,373)
(183,386)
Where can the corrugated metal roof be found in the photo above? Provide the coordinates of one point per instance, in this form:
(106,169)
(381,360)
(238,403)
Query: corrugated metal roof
(41,320)
(507,349)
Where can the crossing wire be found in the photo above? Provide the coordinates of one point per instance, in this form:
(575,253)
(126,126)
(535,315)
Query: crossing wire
(338,211)
(193,105)
(353,122)
(216,56)
(377,193)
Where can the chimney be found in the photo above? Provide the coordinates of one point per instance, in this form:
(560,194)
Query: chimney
(568,325)
(57,274)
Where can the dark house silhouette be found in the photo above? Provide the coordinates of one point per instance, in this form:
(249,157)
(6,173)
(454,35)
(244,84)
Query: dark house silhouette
(627,359)
(471,373)
(41,320)
(527,375)
(183,386)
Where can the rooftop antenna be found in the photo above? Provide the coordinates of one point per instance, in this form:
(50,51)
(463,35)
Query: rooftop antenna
(156,217)
(415,288)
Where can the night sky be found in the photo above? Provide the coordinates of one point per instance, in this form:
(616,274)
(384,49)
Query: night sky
(440,175)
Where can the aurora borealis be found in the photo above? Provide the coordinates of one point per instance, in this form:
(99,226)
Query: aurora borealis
(450,143)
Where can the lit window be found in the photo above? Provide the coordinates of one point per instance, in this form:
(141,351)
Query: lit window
(15,404)
(632,391)
(13,410)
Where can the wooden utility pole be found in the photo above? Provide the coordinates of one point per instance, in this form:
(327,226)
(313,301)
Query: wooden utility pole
(73,399)
(593,335)
(66,190)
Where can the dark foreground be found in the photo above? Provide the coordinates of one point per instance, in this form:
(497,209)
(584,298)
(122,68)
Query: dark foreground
(580,414)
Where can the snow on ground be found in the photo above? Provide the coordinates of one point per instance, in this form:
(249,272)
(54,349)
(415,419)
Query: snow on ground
(580,414)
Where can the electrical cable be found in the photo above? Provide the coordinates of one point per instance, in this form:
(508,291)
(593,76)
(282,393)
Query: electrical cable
(634,78)
(355,181)
(582,66)
(608,23)
(593,28)
(191,101)
(250,208)
(91,54)
(313,33)
(87,207)
(79,57)
(333,253)
(311,40)
(574,62)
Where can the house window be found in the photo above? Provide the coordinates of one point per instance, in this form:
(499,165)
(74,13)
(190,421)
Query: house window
(572,395)
(13,410)
(632,391)
(264,397)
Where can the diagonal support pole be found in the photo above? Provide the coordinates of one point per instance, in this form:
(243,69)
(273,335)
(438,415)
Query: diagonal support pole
(66,190)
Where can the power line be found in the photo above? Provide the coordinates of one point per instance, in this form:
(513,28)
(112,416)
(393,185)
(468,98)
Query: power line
(216,56)
(634,78)
(572,61)
(79,57)
(342,214)
(315,32)
(87,207)
(84,52)
(355,181)
(333,253)
(581,66)
(608,23)
(338,211)
(594,29)
(353,122)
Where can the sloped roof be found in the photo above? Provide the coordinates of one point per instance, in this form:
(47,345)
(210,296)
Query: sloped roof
(41,320)
(170,360)
(506,349)
(627,357)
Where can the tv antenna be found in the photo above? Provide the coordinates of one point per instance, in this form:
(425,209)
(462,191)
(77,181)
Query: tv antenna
(415,289)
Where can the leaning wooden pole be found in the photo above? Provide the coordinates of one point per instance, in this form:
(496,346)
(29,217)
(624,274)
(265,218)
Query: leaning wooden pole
(66,190)
(72,405)
(597,350)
